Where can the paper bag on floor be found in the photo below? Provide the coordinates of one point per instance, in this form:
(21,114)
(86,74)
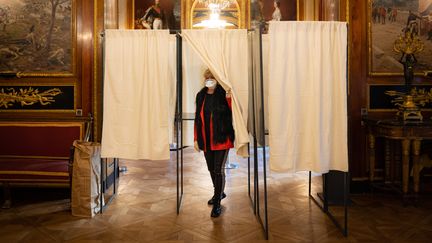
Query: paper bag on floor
(86,181)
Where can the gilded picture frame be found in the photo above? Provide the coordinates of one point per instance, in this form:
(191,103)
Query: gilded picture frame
(386,21)
(38,38)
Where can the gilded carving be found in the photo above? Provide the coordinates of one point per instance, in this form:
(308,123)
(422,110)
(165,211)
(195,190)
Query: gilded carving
(416,147)
(28,96)
(406,147)
(371,141)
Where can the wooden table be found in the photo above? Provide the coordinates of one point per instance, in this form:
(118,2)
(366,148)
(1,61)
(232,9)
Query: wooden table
(410,134)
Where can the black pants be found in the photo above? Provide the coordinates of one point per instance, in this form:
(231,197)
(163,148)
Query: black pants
(216,165)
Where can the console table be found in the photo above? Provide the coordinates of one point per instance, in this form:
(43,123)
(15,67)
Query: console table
(410,133)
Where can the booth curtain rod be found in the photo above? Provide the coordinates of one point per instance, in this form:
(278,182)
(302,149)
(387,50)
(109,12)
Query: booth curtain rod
(172,31)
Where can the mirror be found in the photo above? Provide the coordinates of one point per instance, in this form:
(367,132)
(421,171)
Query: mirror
(203,16)
(195,13)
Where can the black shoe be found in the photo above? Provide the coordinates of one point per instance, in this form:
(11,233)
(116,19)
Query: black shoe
(216,210)
(212,200)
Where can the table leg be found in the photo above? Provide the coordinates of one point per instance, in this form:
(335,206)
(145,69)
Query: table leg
(371,157)
(416,165)
(387,165)
(392,162)
(405,165)
(7,196)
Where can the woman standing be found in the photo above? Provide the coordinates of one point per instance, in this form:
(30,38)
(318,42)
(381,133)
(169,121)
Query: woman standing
(214,134)
(276,16)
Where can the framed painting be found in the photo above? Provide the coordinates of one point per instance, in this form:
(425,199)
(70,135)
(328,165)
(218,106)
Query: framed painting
(156,14)
(263,11)
(387,20)
(37,37)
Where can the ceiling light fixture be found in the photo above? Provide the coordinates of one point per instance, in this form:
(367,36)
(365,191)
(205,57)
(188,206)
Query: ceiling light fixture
(215,7)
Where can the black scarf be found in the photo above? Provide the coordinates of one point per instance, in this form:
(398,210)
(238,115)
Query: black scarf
(221,117)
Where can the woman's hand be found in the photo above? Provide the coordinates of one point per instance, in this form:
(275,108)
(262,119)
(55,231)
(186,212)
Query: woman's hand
(228,93)
(196,147)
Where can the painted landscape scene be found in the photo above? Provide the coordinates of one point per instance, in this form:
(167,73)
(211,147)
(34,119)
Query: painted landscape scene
(36,36)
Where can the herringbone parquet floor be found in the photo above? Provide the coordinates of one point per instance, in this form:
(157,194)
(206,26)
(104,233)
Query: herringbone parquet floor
(145,211)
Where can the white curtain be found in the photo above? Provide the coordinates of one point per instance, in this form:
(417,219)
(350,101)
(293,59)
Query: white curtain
(193,81)
(137,88)
(308,96)
(225,53)
(172,80)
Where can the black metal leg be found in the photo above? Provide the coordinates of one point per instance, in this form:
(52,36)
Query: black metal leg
(7,196)
(263,134)
(178,177)
(179,123)
(324,205)
(325,196)
(265,194)
(102,187)
(346,203)
(256,181)
(181,161)
(252,199)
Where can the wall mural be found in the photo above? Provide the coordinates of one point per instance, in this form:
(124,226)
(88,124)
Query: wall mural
(36,37)
(388,19)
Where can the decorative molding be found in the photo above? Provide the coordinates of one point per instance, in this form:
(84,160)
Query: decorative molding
(27,96)
(378,101)
(45,97)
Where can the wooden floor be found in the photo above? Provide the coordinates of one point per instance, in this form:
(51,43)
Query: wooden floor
(145,211)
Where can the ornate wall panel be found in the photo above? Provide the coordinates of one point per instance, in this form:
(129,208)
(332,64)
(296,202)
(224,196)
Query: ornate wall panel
(61,80)
(41,98)
(366,90)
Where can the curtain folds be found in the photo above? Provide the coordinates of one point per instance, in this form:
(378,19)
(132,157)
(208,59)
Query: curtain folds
(308,96)
(193,81)
(138,89)
(225,53)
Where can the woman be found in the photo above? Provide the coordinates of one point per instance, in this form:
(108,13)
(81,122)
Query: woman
(276,16)
(214,134)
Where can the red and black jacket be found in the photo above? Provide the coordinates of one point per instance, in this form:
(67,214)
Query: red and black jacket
(221,129)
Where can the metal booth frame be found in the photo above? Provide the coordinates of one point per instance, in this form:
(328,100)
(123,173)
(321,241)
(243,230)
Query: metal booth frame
(180,117)
(256,131)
